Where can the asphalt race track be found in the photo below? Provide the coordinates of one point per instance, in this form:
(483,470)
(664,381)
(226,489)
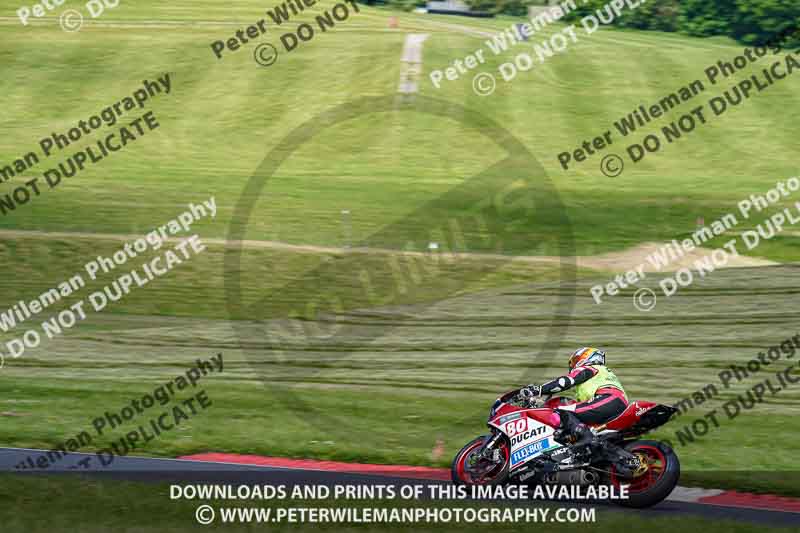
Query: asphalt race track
(193,471)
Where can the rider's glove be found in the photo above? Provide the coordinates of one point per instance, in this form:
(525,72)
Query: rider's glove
(531,391)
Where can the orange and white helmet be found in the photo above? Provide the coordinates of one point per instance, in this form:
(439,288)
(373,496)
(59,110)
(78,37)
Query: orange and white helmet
(587,356)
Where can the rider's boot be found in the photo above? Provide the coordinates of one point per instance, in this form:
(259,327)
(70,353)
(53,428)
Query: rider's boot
(574,432)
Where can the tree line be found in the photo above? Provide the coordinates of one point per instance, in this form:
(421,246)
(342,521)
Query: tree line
(748,21)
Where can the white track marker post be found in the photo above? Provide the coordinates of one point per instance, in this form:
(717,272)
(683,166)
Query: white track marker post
(411,63)
(347,228)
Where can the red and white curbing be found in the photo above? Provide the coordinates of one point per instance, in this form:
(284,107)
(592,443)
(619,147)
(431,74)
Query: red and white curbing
(410,472)
(732,498)
(724,498)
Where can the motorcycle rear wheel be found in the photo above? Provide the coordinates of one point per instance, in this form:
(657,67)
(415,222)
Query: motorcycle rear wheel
(658,479)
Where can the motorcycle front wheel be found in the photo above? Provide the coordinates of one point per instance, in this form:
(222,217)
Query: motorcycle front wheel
(469,468)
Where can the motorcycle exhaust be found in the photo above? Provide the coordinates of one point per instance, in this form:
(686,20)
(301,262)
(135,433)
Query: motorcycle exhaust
(574,477)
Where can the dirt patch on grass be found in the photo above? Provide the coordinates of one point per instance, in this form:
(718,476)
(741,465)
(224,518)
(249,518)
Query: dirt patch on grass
(638,255)
(612,261)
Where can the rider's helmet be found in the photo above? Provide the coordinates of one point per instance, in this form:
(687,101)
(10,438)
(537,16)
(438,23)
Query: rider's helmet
(587,356)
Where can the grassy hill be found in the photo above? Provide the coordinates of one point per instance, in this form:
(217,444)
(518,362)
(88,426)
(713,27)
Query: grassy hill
(223,116)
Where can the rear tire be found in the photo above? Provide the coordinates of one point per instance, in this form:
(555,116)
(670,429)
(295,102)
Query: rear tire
(655,484)
(459,470)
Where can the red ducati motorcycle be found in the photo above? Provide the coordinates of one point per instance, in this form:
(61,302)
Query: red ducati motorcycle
(522,447)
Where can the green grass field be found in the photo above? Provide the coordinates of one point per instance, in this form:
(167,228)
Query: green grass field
(419,355)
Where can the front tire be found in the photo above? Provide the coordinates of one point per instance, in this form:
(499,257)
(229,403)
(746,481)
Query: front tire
(468,469)
(657,481)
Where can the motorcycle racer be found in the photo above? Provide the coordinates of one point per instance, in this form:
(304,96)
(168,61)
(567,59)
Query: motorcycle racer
(532,439)
(598,391)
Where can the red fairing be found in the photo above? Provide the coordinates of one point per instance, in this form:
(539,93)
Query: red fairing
(545,416)
(505,409)
(630,415)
